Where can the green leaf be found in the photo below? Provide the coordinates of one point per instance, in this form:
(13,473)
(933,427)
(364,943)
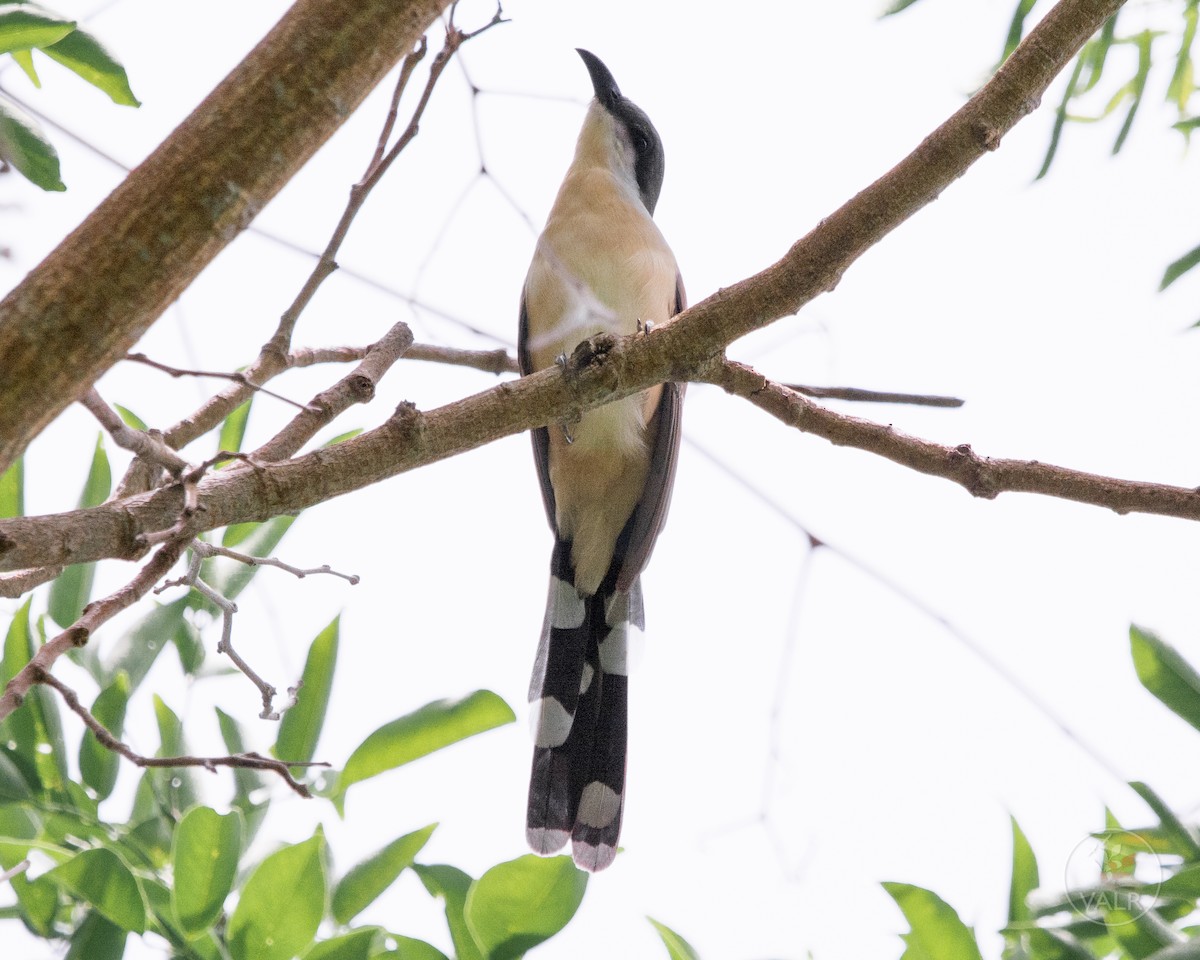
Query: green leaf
(233,431)
(1166,674)
(360,887)
(1024,877)
(247,783)
(97,938)
(86,56)
(1179,91)
(677,947)
(136,651)
(1184,884)
(432,727)
(98,765)
(1095,54)
(1137,86)
(450,885)
(101,878)
(343,437)
(12,490)
(1060,116)
(72,589)
(281,904)
(516,905)
(39,902)
(937,932)
(204,856)
(23,145)
(229,577)
(32,736)
(19,827)
(1016,27)
(300,728)
(409,949)
(896,6)
(1173,272)
(131,419)
(177,785)
(1183,839)
(24,25)
(24,60)
(355,945)
(13,786)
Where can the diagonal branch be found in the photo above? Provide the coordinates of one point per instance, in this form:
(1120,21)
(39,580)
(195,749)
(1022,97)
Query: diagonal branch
(252,761)
(606,369)
(87,303)
(980,476)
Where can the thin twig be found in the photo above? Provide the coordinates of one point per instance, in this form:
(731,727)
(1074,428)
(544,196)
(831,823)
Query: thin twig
(957,633)
(237,377)
(94,615)
(228,608)
(495,361)
(15,871)
(389,123)
(358,386)
(252,761)
(875,396)
(211,549)
(145,445)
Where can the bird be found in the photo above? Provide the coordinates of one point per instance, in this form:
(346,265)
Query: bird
(600,265)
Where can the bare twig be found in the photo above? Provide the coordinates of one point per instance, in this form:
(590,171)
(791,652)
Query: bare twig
(147,446)
(252,761)
(389,122)
(358,386)
(237,377)
(212,550)
(984,477)
(489,361)
(15,871)
(94,615)
(228,608)
(874,396)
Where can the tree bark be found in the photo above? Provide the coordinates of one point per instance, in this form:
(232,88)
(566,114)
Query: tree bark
(94,296)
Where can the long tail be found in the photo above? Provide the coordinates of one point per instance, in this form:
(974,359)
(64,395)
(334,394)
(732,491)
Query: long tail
(579,695)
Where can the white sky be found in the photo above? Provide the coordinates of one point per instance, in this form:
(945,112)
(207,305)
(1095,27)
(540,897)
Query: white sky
(895,753)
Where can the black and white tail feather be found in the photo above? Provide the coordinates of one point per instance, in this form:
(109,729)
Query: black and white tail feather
(579,694)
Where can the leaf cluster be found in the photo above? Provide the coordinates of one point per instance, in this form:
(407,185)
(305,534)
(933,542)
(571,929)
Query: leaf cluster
(172,864)
(1138,894)
(24,28)
(1102,84)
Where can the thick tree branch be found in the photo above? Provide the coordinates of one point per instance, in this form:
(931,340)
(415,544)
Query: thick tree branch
(87,303)
(605,369)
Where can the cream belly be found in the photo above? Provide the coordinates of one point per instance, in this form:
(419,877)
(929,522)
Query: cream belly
(600,266)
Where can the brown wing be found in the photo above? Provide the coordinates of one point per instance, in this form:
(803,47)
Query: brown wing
(651,512)
(539,435)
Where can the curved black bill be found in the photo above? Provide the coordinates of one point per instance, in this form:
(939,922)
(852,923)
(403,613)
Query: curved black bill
(603,83)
